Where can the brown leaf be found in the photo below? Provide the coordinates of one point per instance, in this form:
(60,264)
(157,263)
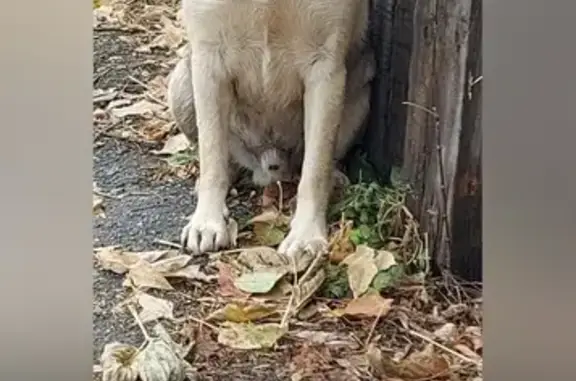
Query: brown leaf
(425,364)
(340,245)
(271,194)
(226,281)
(369,305)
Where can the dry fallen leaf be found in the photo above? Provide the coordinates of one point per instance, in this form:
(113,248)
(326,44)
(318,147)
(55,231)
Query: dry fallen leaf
(142,108)
(159,359)
(149,269)
(269,227)
(144,275)
(340,245)
(250,336)
(473,337)
(158,362)
(446,333)
(226,281)
(98,206)
(118,362)
(173,145)
(369,305)
(376,361)
(361,271)
(238,313)
(325,338)
(260,258)
(154,308)
(114,259)
(420,365)
(158,87)
(363,265)
(259,282)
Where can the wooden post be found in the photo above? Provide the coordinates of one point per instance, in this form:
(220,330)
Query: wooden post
(441,146)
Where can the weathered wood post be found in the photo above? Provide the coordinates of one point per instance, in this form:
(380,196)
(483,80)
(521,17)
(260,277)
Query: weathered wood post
(442,145)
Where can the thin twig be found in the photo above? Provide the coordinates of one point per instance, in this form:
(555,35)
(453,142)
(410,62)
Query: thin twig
(106,195)
(139,82)
(167,243)
(139,322)
(374,324)
(443,347)
(444,215)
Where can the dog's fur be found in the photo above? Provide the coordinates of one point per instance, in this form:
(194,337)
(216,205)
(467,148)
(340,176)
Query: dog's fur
(275,86)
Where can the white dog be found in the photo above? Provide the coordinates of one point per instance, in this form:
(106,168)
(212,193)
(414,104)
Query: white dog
(276,86)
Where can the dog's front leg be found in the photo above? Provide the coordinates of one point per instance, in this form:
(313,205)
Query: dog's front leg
(206,230)
(323,100)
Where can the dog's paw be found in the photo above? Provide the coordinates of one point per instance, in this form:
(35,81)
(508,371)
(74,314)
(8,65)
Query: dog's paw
(305,236)
(206,232)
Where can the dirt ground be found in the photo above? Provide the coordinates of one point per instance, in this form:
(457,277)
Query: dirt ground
(153,209)
(146,200)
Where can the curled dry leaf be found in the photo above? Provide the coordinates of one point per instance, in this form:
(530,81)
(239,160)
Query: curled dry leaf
(149,269)
(174,145)
(159,362)
(160,359)
(250,336)
(154,308)
(369,305)
(118,362)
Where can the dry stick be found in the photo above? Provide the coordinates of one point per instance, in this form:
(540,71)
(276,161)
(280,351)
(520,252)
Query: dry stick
(451,351)
(373,327)
(139,82)
(167,243)
(442,176)
(139,322)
